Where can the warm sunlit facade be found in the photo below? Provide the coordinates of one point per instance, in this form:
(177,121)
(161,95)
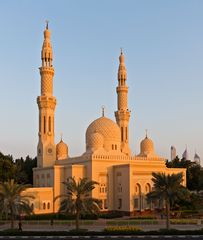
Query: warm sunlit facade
(123,179)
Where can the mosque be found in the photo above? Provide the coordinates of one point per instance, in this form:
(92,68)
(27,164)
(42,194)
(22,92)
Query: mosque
(124,179)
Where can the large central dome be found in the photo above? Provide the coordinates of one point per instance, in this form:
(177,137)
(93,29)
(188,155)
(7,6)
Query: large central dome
(108,129)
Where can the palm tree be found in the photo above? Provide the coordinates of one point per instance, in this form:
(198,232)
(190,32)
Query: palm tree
(167,189)
(13,200)
(76,200)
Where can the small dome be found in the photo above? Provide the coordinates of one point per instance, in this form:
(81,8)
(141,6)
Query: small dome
(147,147)
(109,130)
(61,150)
(96,141)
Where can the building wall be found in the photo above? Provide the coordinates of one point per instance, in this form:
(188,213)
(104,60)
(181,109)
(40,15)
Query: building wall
(43,199)
(121,188)
(43,177)
(123,182)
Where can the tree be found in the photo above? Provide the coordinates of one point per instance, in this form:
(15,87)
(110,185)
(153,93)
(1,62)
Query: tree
(24,170)
(13,200)
(194,172)
(19,169)
(167,189)
(7,168)
(77,200)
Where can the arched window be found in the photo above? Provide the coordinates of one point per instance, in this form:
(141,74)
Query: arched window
(146,204)
(44,124)
(105,204)
(40,124)
(122,134)
(53,124)
(48,205)
(137,189)
(32,206)
(112,147)
(147,188)
(49,124)
(138,197)
(119,203)
(44,205)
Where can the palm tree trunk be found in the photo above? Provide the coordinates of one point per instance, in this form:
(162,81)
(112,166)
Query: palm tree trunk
(167,215)
(12,220)
(77,220)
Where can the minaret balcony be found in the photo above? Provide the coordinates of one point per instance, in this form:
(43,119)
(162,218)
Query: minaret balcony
(46,102)
(122,89)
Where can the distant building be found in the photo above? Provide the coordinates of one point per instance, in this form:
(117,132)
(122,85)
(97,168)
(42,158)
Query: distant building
(197,158)
(173,153)
(185,154)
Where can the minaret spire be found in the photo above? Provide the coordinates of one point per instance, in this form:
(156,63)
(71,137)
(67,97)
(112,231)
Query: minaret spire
(47,24)
(123,114)
(103,110)
(61,136)
(122,73)
(146,131)
(47,55)
(46,154)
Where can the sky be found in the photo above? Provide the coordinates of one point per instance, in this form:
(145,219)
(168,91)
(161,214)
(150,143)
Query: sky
(163,46)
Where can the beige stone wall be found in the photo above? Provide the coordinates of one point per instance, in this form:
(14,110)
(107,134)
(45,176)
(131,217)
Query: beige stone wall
(121,188)
(43,177)
(43,201)
(123,181)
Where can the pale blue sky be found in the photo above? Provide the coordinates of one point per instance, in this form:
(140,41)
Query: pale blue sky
(163,47)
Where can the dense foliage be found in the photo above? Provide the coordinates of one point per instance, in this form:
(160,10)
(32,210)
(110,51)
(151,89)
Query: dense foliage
(20,169)
(194,172)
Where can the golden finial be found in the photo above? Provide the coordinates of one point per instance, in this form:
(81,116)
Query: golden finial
(61,136)
(121,51)
(146,133)
(47,24)
(103,109)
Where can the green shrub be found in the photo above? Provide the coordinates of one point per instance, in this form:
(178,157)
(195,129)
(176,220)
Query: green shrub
(142,217)
(79,231)
(122,229)
(59,216)
(132,222)
(111,215)
(89,217)
(183,221)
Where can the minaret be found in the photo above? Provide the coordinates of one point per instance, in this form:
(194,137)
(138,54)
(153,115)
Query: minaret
(46,150)
(173,153)
(123,114)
